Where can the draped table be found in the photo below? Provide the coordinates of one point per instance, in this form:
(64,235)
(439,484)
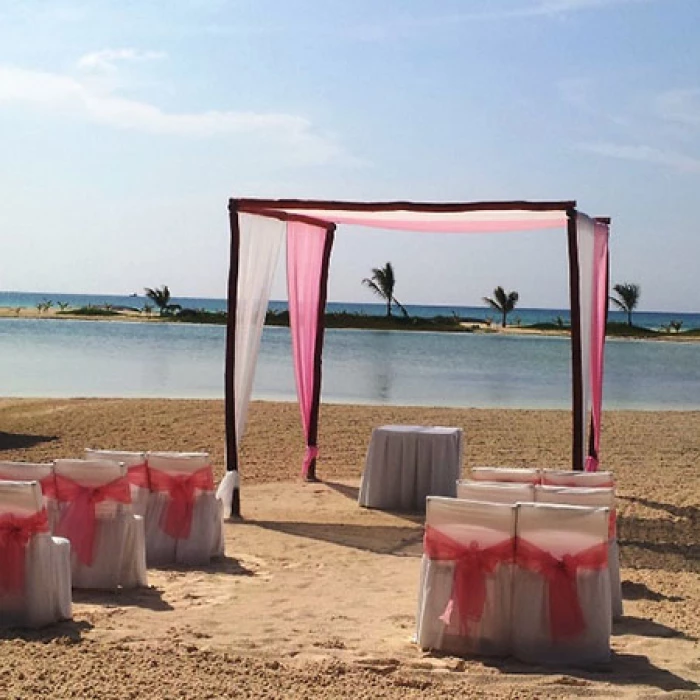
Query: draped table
(406,463)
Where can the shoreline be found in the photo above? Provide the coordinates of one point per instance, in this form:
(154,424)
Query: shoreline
(422,326)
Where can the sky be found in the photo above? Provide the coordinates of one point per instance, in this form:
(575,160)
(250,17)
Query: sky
(126,125)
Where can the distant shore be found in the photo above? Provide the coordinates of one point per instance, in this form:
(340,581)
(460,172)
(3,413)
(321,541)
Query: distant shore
(449,324)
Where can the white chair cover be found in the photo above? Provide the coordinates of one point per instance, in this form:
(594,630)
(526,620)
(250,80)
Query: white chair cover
(469,525)
(495,492)
(508,474)
(570,543)
(135,463)
(31,471)
(118,551)
(592,498)
(561,477)
(45,594)
(205,538)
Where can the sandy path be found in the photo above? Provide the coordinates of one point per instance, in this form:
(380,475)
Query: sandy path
(316,597)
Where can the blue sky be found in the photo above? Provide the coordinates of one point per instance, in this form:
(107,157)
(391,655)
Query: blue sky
(125,126)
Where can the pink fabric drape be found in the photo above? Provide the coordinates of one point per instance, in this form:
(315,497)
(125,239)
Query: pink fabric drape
(472,564)
(308,251)
(177,517)
(15,533)
(78,522)
(598,323)
(565,615)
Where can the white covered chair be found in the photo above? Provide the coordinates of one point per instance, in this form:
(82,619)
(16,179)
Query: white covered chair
(137,474)
(466,577)
(561,585)
(35,574)
(592,498)
(95,514)
(495,492)
(32,471)
(184,520)
(508,474)
(589,480)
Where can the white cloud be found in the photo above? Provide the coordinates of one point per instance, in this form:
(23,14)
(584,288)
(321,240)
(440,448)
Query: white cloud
(644,154)
(293,134)
(539,8)
(680,106)
(106,59)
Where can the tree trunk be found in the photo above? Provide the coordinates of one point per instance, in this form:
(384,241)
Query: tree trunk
(503,324)
(629,318)
(388,308)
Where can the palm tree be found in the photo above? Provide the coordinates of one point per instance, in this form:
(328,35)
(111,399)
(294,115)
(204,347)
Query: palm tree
(382,284)
(161,298)
(502,302)
(627,298)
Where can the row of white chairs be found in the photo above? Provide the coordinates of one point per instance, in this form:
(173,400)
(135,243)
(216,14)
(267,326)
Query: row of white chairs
(529,580)
(512,493)
(119,510)
(547,477)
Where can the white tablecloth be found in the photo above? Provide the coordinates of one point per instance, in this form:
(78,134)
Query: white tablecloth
(406,463)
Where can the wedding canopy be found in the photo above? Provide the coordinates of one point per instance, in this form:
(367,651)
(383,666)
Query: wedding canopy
(258,229)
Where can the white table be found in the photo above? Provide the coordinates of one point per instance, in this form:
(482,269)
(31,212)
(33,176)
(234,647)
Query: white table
(406,463)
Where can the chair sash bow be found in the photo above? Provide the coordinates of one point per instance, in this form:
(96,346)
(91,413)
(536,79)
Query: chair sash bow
(15,533)
(176,520)
(472,564)
(565,615)
(78,520)
(137,475)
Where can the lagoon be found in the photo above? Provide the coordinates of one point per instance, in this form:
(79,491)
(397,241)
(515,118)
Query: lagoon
(64,358)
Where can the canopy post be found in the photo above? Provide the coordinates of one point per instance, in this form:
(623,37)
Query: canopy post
(576,354)
(230,361)
(318,351)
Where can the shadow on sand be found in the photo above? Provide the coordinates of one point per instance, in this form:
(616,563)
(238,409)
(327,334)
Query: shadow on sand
(380,539)
(18,441)
(67,631)
(640,591)
(149,597)
(622,669)
(643,627)
(218,565)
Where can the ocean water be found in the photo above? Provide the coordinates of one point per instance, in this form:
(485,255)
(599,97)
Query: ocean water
(526,316)
(64,358)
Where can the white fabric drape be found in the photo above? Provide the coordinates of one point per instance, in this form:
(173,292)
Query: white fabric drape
(260,242)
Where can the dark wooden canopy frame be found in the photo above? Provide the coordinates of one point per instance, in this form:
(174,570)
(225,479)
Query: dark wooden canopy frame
(276,208)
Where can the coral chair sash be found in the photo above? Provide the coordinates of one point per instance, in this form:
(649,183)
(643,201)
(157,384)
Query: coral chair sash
(137,475)
(176,520)
(565,615)
(48,486)
(78,521)
(472,564)
(15,533)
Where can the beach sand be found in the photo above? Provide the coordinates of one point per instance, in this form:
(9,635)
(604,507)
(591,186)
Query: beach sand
(316,597)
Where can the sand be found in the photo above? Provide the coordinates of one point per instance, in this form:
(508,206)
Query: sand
(316,597)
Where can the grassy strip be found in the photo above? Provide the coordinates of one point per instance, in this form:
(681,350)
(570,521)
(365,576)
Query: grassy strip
(343,319)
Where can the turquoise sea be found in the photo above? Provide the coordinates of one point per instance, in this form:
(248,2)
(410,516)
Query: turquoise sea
(64,358)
